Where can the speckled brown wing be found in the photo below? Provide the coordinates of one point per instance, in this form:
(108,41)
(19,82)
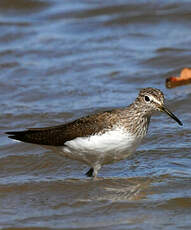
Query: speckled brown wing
(58,135)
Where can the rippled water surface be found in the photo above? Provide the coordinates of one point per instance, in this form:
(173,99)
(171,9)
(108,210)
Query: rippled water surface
(60,60)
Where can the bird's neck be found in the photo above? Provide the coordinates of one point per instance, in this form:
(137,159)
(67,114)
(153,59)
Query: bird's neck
(138,120)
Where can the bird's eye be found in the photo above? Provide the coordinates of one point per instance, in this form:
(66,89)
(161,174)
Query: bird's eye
(147,99)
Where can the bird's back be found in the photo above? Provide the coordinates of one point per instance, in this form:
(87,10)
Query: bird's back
(58,135)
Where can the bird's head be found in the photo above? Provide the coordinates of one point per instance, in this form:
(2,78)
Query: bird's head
(153,100)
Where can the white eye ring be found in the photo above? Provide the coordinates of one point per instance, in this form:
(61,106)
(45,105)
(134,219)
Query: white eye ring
(147,99)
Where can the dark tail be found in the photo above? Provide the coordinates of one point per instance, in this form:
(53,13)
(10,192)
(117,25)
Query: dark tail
(54,136)
(26,136)
(37,136)
(19,135)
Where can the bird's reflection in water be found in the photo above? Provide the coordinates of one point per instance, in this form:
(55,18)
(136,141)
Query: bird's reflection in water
(113,189)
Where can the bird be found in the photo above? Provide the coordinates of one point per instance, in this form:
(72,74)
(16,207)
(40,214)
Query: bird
(101,138)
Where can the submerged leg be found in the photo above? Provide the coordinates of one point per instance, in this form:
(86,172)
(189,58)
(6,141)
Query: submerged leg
(90,172)
(96,169)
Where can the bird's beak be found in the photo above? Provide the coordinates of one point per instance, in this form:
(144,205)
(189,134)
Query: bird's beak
(166,110)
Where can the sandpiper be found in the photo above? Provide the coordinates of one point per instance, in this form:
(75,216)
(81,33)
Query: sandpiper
(104,137)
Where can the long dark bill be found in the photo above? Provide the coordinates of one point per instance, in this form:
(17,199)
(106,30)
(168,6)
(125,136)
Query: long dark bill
(164,109)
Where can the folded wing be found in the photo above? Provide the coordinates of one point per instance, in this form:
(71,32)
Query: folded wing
(58,135)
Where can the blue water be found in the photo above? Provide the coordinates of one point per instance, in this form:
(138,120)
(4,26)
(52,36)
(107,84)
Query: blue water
(60,60)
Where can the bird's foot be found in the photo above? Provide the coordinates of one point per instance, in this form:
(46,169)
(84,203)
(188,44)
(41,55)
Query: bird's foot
(90,172)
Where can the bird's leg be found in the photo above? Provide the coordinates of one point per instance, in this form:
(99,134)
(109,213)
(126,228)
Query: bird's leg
(96,169)
(90,172)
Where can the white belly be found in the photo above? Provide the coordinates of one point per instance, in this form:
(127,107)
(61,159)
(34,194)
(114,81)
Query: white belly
(101,149)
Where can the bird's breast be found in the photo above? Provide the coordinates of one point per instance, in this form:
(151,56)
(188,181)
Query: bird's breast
(112,145)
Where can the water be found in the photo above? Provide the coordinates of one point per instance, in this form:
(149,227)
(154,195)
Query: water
(60,60)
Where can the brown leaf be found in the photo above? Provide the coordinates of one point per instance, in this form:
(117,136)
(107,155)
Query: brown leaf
(185,73)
